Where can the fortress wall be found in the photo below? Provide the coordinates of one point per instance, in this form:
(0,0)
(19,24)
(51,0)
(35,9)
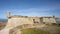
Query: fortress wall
(13,22)
(37,19)
(49,20)
(52,20)
(46,20)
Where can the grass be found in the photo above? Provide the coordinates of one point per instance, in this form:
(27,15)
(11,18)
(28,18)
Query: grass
(34,31)
(49,29)
(53,29)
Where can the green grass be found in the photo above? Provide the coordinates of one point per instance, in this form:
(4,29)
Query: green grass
(34,31)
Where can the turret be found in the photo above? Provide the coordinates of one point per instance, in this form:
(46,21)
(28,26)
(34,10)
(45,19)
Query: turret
(8,14)
(53,16)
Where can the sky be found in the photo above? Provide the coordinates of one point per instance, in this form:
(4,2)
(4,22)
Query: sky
(30,8)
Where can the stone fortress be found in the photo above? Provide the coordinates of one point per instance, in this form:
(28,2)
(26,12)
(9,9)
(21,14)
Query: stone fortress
(17,23)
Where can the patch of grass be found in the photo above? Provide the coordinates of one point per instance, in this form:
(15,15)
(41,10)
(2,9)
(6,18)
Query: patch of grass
(34,31)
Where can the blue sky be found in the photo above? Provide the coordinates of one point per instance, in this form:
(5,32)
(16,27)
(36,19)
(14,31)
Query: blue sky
(30,7)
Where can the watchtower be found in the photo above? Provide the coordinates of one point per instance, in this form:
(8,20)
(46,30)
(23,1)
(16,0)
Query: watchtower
(8,14)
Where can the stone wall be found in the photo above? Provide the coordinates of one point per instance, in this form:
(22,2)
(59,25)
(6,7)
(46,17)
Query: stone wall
(14,22)
(49,20)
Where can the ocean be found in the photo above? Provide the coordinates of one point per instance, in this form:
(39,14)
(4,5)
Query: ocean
(3,20)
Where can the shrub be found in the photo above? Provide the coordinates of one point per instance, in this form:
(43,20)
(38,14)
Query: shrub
(54,24)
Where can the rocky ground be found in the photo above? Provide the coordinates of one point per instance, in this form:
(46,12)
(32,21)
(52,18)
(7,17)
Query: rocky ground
(2,25)
(54,29)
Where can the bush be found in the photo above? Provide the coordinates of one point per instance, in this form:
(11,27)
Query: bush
(54,24)
(58,24)
(34,31)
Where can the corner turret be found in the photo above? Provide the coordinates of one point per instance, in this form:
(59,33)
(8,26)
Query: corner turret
(53,16)
(8,14)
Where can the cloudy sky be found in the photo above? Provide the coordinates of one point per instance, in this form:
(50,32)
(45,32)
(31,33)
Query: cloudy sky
(30,7)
